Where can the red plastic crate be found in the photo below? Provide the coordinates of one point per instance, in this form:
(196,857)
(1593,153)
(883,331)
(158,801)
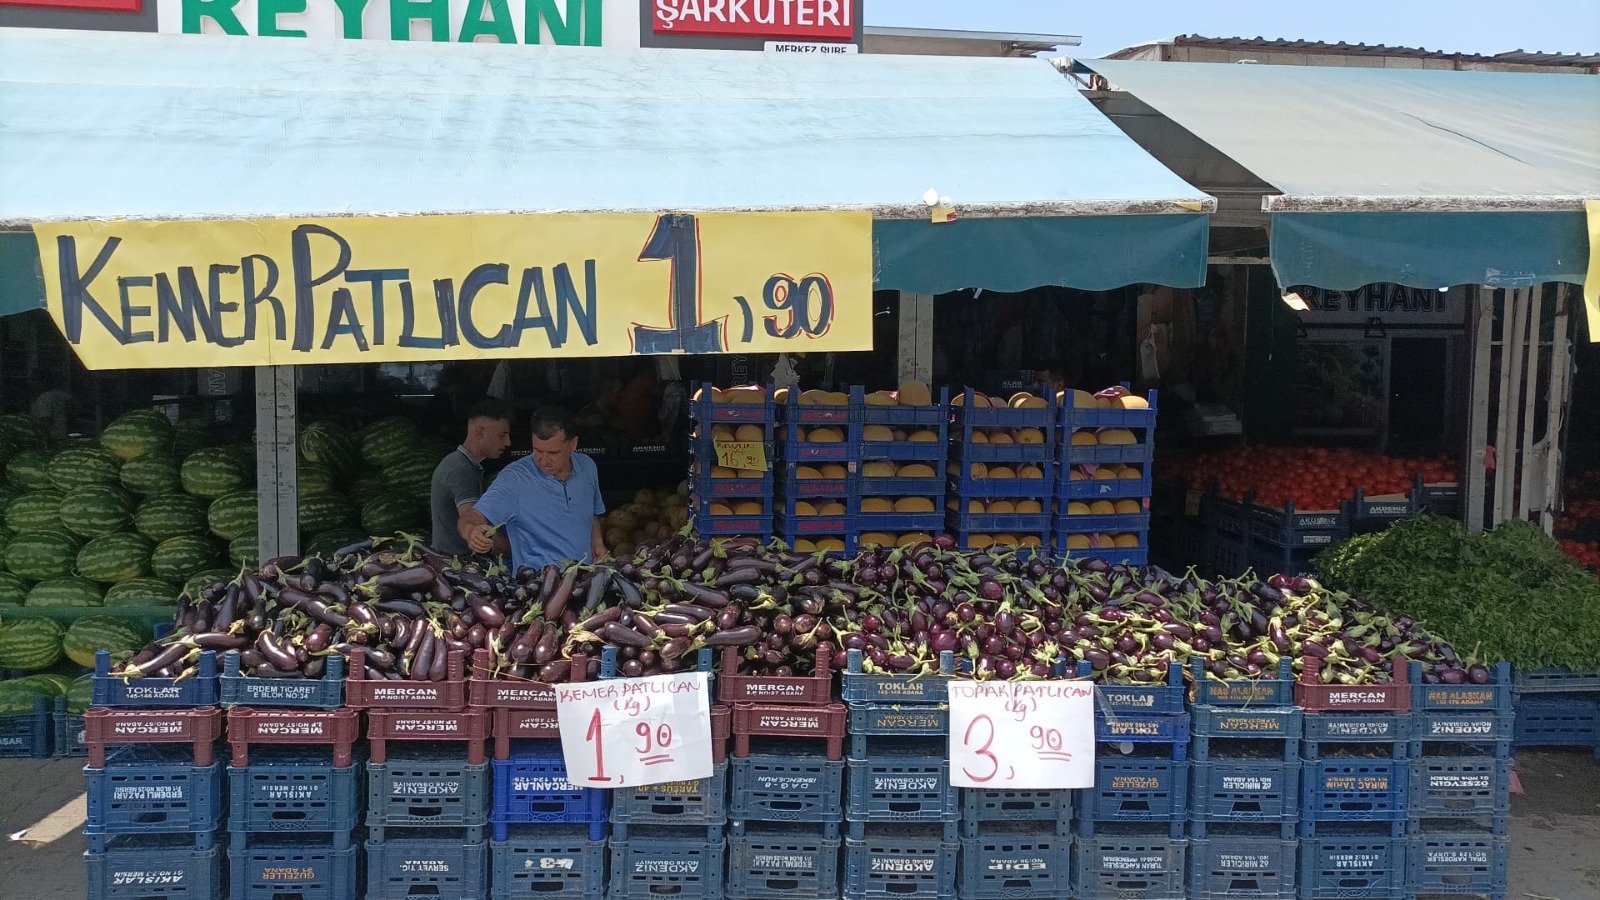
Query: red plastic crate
(508,693)
(247,725)
(804,722)
(107,726)
(815,689)
(721,730)
(469,725)
(1314,696)
(363,693)
(519,724)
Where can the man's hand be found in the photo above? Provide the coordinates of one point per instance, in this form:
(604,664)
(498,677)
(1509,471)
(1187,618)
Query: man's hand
(481,540)
(475,530)
(597,542)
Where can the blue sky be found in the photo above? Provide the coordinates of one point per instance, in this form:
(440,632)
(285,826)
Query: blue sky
(1467,26)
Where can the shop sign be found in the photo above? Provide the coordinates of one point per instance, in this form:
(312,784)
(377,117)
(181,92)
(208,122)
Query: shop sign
(153,295)
(564,22)
(802,19)
(811,47)
(1386,304)
(121,6)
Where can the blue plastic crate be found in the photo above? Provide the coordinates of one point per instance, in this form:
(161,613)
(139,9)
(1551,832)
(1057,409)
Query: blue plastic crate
(286,789)
(1225,555)
(965,487)
(1172,730)
(1357,728)
(1074,417)
(1124,556)
(419,787)
(799,784)
(1016,861)
(1139,699)
(791,527)
(909,782)
(657,863)
(1265,728)
(1267,559)
(1494,730)
(1460,787)
(1384,509)
(559,861)
(1464,863)
(935,415)
(1136,790)
(687,803)
(153,789)
(1561,681)
(860,687)
(68,737)
(908,486)
(706,487)
(1254,867)
(752,413)
(154,867)
(900,861)
(793,412)
(899,523)
(812,488)
(1101,489)
(1138,453)
(794,450)
(750,526)
(1338,867)
(1045,809)
(1494,697)
(997,523)
(532,787)
(1213,691)
(910,719)
(291,867)
(1558,720)
(326,692)
(1129,867)
(780,861)
(1355,789)
(201,689)
(436,863)
(1245,792)
(28,734)
(1113,524)
(907,450)
(1292,529)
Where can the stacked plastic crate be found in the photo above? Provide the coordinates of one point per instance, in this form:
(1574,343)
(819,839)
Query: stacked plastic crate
(1131,824)
(294,786)
(427,784)
(732,499)
(155,786)
(901,812)
(902,484)
(1000,478)
(819,449)
(1103,478)
(1558,708)
(1283,540)
(1244,786)
(1460,785)
(787,775)
(27,734)
(1355,786)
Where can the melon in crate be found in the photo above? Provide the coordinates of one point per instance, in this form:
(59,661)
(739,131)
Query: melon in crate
(66,591)
(95,510)
(233,514)
(141,592)
(30,644)
(37,555)
(181,557)
(113,558)
(35,511)
(151,474)
(212,472)
(170,516)
(83,466)
(89,634)
(137,434)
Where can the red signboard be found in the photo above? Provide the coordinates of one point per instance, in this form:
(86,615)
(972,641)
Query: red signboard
(121,6)
(816,19)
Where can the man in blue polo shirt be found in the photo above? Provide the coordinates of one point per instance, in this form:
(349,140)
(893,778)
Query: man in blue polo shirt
(549,503)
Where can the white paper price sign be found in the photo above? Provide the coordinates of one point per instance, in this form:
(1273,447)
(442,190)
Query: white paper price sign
(636,731)
(1022,735)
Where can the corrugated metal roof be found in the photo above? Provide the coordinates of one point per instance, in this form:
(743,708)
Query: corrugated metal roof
(1518,57)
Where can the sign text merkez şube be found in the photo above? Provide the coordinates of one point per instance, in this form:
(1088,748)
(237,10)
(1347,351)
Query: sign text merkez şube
(756,18)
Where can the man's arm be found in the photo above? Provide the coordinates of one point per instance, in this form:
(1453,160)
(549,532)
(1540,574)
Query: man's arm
(597,542)
(502,544)
(475,529)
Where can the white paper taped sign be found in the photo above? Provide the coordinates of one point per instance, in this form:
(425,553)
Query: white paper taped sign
(629,732)
(1022,735)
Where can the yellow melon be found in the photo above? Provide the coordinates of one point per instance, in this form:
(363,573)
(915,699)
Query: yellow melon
(882,433)
(916,470)
(1133,402)
(1084,439)
(1030,472)
(973,506)
(880,398)
(878,468)
(825,435)
(1077,399)
(1106,473)
(748,508)
(1001,437)
(979,541)
(1102,508)
(834,471)
(744,395)
(806,473)
(1127,541)
(720,509)
(1116,437)
(703,394)
(723,472)
(830,545)
(1129,507)
(1031,541)
(722,433)
(1001,508)
(1114,391)
(814,398)
(750,473)
(1005,540)
(1029,507)
(1001,472)
(803,508)
(924,436)
(876,539)
(1025,400)
(1030,436)
(754,433)
(1078,475)
(914,393)
(1077,542)
(781,395)
(978,470)
(801,545)
(1078,508)
(1129,472)
(979,437)
(876,505)
(914,505)
(913,538)
(832,508)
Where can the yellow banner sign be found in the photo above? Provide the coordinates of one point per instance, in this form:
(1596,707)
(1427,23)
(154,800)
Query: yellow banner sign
(1591,280)
(153,295)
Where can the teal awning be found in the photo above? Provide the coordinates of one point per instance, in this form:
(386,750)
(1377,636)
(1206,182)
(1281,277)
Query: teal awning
(1418,177)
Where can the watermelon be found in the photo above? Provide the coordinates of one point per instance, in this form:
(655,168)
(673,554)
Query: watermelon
(47,685)
(244,551)
(30,470)
(233,514)
(190,435)
(324,512)
(76,468)
(13,590)
(183,556)
(91,633)
(18,701)
(8,493)
(112,558)
(389,515)
(37,555)
(412,475)
(141,592)
(328,444)
(151,474)
(213,472)
(328,541)
(7,448)
(314,478)
(30,644)
(95,510)
(136,434)
(35,511)
(369,486)
(198,582)
(69,591)
(386,440)
(170,516)
(20,430)
(80,694)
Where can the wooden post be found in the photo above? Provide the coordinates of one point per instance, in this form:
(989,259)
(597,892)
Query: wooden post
(277,516)
(1475,478)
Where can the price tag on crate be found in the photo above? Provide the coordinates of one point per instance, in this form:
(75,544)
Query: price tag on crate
(1022,735)
(750,456)
(628,732)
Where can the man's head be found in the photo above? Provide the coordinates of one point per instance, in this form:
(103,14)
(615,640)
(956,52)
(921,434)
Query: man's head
(488,428)
(553,441)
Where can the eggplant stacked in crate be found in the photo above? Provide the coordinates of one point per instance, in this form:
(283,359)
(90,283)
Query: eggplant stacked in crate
(1460,785)
(155,787)
(1103,453)
(1557,708)
(1000,471)
(735,499)
(819,441)
(905,439)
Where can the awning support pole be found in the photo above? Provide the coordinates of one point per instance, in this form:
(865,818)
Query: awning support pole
(277,515)
(1505,423)
(1475,478)
(916,338)
(1526,458)
(1555,416)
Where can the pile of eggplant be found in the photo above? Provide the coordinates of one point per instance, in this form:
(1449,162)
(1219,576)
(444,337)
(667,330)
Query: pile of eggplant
(1001,616)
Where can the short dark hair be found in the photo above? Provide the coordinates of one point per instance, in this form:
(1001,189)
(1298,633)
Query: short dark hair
(490,408)
(548,420)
